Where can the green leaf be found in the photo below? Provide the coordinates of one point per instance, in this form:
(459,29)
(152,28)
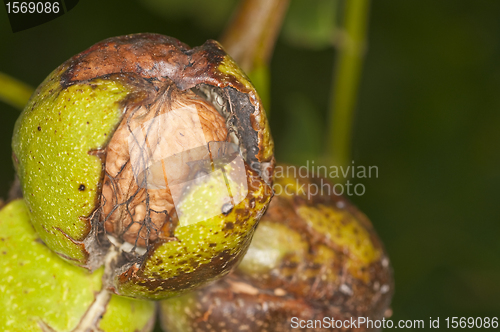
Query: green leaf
(311,23)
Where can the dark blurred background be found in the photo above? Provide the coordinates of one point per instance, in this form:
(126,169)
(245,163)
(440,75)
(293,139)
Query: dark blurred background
(428,116)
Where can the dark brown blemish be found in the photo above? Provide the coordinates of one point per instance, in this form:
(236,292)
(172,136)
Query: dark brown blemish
(39,128)
(82,187)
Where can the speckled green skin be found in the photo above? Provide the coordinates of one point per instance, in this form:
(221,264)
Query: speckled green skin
(51,144)
(37,286)
(204,251)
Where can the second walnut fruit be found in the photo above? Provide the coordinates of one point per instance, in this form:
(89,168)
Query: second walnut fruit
(145,144)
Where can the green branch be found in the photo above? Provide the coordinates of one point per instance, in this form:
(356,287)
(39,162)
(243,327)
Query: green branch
(250,38)
(351,50)
(14,92)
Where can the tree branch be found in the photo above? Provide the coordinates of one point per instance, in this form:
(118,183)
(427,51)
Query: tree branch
(14,92)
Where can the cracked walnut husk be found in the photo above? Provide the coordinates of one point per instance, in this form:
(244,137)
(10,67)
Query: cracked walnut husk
(143,144)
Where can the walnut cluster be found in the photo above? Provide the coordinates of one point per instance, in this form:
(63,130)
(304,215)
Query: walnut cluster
(148,158)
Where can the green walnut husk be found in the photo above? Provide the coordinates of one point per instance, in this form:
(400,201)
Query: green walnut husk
(72,135)
(41,292)
(314,255)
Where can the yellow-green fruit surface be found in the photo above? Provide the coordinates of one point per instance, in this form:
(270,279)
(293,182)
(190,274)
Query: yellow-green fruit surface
(205,247)
(38,288)
(56,131)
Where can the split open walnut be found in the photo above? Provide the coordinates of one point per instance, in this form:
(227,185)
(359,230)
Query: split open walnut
(149,157)
(157,153)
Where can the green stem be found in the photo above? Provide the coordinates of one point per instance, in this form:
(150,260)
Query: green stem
(250,38)
(14,92)
(351,50)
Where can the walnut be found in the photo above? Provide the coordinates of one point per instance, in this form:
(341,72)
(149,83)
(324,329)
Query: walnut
(150,150)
